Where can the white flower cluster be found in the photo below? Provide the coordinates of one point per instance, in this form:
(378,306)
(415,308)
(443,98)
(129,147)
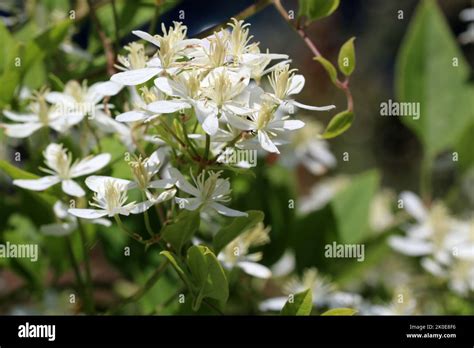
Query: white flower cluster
(217,80)
(446,244)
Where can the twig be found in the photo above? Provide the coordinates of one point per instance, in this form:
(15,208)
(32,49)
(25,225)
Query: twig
(106,43)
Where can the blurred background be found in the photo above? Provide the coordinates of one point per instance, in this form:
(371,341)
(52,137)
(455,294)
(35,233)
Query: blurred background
(377,154)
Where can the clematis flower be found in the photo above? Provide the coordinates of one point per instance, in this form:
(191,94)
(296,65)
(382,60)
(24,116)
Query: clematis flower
(42,115)
(68,222)
(110,197)
(208,194)
(172,46)
(235,254)
(63,170)
(143,171)
(264,125)
(286,83)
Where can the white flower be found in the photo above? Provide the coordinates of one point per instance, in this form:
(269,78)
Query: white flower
(308,150)
(208,193)
(265,125)
(42,115)
(143,171)
(172,46)
(110,197)
(63,170)
(68,222)
(235,254)
(286,83)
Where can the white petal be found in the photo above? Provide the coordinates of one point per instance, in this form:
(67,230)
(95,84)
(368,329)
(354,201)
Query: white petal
(62,123)
(310,107)
(132,116)
(266,143)
(286,124)
(136,76)
(163,84)
(147,37)
(88,213)
(222,209)
(162,184)
(410,246)
(182,183)
(90,165)
(188,203)
(413,205)
(20,117)
(58,229)
(96,182)
(60,98)
(240,122)
(167,106)
(273,304)
(72,188)
(103,222)
(141,207)
(20,130)
(211,124)
(37,184)
(255,269)
(107,88)
(433,267)
(60,210)
(297,84)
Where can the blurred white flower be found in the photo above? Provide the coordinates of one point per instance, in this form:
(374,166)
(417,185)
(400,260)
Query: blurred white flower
(63,170)
(235,254)
(208,193)
(68,222)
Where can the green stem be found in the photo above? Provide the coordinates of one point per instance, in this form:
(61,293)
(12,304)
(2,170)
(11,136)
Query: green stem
(75,266)
(132,235)
(88,283)
(145,288)
(146,218)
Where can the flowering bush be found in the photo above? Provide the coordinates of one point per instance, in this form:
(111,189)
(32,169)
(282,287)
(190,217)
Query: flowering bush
(170,183)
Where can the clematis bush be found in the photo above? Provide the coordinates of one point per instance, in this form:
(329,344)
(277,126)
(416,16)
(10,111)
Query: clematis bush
(165,173)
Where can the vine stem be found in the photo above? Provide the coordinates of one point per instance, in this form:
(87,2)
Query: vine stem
(145,288)
(344,86)
(87,265)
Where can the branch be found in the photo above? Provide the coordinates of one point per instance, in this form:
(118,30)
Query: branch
(106,43)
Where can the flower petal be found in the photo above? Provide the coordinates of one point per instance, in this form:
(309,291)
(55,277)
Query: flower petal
(240,122)
(255,269)
(37,184)
(136,76)
(20,117)
(163,84)
(182,183)
(413,205)
(273,304)
(410,246)
(87,213)
(90,165)
(296,84)
(147,37)
(58,229)
(72,188)
(132,116)
(96,182)
(266,143)
(20,130)
(106,88)
(167,106)
(211,124)
(162,184)
(314,108)
(222,209)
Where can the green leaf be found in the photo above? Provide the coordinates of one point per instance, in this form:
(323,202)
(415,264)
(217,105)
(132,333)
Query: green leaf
(351,207)
(315,9)
(209,278)
(181,231)
(338,124)
(15,172)
(300,304)
(424,74)
(339,311)
(178,266)
(237,226)
(330,69)
(346,59)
